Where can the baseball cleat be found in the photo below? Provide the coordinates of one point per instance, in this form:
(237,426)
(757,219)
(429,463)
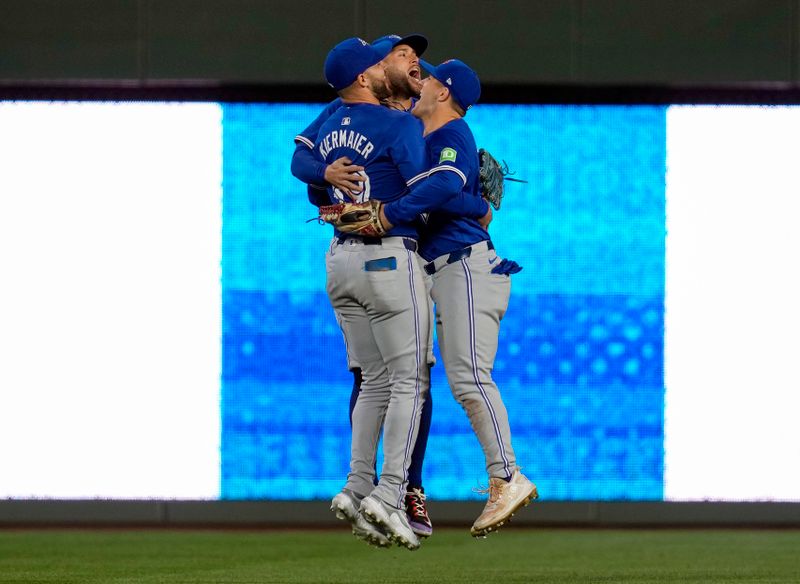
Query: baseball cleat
(417,513)
(370,533)
(393,522)
(345,506)
(505,499)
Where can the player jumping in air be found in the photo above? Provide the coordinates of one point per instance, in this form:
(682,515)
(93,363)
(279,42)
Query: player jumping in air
(471,284)
(403,80)
(377,289)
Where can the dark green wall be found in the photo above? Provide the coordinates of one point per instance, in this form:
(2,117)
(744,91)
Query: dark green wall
(609,42)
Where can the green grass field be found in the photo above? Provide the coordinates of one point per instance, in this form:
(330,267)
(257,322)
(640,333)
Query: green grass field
(514,555)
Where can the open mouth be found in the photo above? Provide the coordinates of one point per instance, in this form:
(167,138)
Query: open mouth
(415,73)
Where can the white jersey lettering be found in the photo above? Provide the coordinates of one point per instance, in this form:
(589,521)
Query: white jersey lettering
(345,139)
(368,147)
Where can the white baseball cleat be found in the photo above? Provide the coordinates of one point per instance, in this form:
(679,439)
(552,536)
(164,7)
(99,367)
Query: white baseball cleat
(345,506)
(505,499)
(393,521)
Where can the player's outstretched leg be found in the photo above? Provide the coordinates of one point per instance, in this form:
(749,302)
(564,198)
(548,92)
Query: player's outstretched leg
(470,302)
(345,505)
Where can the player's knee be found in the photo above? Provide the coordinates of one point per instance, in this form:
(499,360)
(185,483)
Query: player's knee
(470,388)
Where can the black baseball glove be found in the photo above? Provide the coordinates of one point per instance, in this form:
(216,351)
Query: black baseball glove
(492,175)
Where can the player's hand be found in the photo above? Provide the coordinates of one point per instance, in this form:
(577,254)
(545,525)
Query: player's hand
(343,174)
(486,219)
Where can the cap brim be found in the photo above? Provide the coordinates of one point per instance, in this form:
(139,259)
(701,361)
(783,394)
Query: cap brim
(416,41)
(429,69)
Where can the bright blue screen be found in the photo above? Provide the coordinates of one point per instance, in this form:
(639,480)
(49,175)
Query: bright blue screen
(580,361)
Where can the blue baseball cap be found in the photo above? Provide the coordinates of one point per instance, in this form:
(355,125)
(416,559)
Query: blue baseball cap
(463,82)
(416,41)
(349,59)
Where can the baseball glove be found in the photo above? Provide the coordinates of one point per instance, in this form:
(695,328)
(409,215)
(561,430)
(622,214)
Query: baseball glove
(357,218)
(492,174)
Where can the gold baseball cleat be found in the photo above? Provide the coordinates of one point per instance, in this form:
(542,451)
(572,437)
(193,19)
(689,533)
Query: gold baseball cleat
(505,499)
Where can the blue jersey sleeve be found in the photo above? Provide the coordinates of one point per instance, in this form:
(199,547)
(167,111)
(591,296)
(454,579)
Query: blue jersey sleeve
(465,205)
(452,153)
(428,196)
(318,196)
(408,151)
(446,180)
(305,166)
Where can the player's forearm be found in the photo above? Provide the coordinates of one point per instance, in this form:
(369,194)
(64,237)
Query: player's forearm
(466,205)
(306,167)
(428,196)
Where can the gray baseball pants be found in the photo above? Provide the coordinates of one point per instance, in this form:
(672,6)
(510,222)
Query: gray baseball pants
(470,302)
(379,295)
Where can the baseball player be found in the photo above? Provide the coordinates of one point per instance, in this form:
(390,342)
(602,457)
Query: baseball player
(471,284)
(404,82)
(377,288)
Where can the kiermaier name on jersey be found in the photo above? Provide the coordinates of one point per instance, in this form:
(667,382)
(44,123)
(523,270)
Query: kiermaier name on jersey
(346,139)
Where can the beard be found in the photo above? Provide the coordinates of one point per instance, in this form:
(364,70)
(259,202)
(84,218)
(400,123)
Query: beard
(400,84)
(379,89)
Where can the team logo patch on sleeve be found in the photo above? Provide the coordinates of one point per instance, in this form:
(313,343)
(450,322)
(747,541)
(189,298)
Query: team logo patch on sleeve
(447,155)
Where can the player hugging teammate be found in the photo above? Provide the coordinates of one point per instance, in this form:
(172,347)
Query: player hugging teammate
(375,170)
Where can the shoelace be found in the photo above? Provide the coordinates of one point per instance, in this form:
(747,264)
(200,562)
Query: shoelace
(418,503)
(493,490)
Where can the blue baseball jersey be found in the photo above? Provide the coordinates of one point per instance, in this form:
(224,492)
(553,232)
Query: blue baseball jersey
(451,193)
(387,143)
(304,165)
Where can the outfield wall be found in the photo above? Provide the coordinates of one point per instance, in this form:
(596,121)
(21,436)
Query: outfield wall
(313,514)
(165,338)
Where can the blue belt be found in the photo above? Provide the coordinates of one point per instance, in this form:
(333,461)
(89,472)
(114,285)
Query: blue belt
(409,244)
(459,254)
